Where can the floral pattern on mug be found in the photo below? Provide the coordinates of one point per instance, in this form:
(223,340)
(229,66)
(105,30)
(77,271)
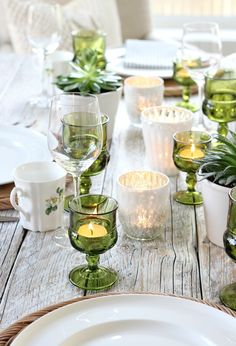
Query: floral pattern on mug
(52,203)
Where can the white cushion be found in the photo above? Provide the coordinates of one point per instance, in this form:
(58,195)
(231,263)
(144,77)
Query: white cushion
(135,18)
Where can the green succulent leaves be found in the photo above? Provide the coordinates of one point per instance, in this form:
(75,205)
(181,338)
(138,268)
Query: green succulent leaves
(87,76)
(219,163)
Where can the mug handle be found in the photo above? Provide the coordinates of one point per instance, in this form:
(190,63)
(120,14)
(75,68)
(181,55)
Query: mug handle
(13,196)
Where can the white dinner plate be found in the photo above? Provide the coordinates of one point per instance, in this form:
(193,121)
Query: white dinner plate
(19,145)
(116,58)
(134,320)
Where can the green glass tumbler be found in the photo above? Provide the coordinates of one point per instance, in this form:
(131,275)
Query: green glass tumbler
(94,39)
(93,231)
(219,104)
(189,146)
(228,293)
(181,77)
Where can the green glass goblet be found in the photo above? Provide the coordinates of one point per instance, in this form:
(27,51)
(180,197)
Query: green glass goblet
(96,168)
(93,231)
(189,146)
(219,104)
(85,39)
(228,293)
(181,76)
(100,164)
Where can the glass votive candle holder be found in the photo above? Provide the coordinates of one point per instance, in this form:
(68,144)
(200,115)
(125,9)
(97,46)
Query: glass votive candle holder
(158,126)
(190,146)
(93,231)
(143,198)
(141,93)
(94,39)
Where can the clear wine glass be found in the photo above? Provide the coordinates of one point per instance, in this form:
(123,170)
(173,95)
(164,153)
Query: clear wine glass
(201,50)
(75,137)
(44,34)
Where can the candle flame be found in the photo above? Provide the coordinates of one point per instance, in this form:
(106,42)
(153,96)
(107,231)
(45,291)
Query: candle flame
(90,226)
(192,149)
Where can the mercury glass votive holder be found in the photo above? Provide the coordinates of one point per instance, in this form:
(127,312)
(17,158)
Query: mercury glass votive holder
(141,93)
(189,146)
(143,198)
(93,231)
(158,126)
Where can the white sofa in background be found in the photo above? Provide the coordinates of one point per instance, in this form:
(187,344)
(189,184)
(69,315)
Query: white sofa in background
(120,19)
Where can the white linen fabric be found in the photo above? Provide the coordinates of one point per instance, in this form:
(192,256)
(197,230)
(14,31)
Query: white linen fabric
(89,14)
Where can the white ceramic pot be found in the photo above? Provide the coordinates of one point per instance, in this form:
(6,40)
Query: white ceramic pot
(216,204)
(108,103)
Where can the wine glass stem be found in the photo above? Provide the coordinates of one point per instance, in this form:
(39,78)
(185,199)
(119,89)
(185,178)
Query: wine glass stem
(92,261)
(200,85)
(44,75)
(76,181)
(191,181)
(186,94)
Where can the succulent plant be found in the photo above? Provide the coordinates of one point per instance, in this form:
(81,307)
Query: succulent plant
(219,163)
(87,76)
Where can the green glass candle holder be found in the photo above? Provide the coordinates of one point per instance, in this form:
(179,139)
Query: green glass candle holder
(189,146)
(93,39)
(228,293)
(181,77)
(93,231)
(219,104)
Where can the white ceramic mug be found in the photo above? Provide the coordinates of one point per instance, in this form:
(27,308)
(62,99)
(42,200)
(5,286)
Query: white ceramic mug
(158,125)
(141,93)
(39,188)
(143,198)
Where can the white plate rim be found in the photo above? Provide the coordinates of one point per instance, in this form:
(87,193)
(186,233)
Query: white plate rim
(101,299)
(20,130)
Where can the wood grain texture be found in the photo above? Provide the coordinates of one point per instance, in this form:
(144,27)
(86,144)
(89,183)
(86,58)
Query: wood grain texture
(34,270)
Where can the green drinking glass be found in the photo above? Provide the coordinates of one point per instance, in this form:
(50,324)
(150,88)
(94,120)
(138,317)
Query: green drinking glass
(181,76)
(93,231)
(189,146)
(100,164)
(219,104)
(228,293)
(94,39)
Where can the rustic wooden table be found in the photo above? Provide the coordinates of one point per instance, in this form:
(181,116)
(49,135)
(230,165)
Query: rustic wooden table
(34,270)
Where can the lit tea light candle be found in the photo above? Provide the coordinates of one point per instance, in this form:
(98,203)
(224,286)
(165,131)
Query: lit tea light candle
(92,230)
(191,152)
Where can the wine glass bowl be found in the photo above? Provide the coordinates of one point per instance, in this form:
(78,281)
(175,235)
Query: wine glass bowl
(189,146)
(201,51)
(44,34)
(219,104)
(93,231)
(228,293)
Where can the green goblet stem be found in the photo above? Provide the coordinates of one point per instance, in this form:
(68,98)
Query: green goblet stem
(191,181)
(223,129)
(186,94)
(85,185)
(92,261)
